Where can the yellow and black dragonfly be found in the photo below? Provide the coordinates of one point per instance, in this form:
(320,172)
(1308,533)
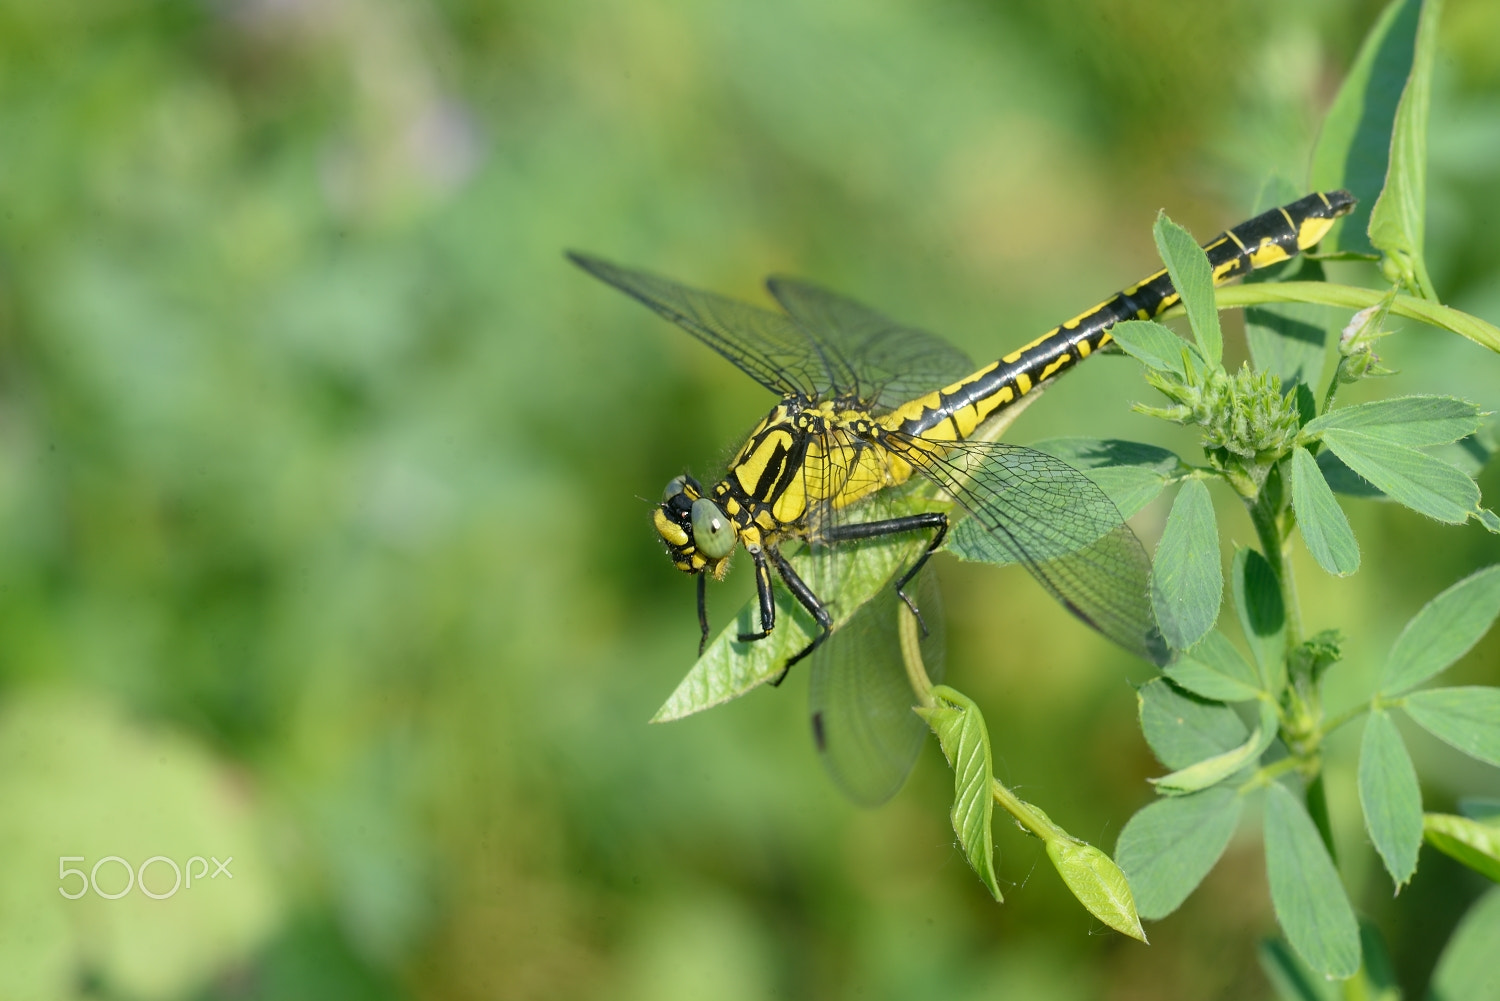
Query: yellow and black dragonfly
(865,403)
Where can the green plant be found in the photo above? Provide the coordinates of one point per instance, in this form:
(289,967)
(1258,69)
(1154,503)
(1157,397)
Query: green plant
(1233,727)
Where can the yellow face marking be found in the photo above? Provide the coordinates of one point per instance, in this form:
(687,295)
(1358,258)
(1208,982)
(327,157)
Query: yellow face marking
(669,529)
(1023,383)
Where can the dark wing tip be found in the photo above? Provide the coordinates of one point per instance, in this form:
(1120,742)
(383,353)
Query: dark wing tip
(588,262)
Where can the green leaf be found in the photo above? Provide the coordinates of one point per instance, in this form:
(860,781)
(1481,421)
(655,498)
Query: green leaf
(1467,717)
(1354,148)
(1309,900)
(1390,797)
(1155,345)
(1182,729)
(961,731)
(1415,421)
(1257,600)
(1194,280)
(1325,528)
(1344,480)
(1169,846)
(1444,630)
(1215,669)
(1187,582)
(1288,339)
(1291,978)
(1212,771)
(1481,808)
(845,580)
(1130,474)
(1426,485)
(1399,218)
(1098,883)
(1474,843)
(1466,969)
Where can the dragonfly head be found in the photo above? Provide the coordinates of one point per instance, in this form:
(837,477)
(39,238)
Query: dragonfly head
(698,535)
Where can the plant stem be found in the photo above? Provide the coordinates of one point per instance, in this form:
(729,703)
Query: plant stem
(1349,297)
(908,628)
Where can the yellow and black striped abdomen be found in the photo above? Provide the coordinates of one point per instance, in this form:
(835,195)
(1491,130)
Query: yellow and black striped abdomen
(954,412)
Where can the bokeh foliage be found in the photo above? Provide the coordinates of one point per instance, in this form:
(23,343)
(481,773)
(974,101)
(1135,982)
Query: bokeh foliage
(320,476)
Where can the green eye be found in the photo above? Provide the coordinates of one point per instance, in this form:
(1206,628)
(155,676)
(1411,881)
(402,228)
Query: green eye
(711,530)
(674,488)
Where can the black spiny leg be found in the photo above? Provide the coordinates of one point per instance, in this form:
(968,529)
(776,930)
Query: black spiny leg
(810,601)
(936,520)
(763,592)
(702,612)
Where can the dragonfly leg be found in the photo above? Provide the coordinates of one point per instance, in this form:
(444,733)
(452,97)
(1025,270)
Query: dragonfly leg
(935,520)
(763,592)
(809,601)
(702,612)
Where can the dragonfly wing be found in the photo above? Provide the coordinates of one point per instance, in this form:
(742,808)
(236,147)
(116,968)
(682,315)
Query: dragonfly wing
(1030,508)
(874,359)
(861,701)
(766,345)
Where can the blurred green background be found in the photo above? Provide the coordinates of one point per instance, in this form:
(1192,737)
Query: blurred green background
(325,481)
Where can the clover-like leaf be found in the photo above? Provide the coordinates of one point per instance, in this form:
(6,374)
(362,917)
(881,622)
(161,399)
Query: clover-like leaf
(965,741)
(1311,905)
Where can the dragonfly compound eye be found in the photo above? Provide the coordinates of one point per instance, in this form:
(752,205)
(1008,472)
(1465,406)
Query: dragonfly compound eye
(711,530)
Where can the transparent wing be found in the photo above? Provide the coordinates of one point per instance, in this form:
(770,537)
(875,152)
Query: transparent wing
(871,358)
(861,701)
(766,345)
(1030,508)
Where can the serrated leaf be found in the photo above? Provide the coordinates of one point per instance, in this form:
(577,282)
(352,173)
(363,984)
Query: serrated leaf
(1390,797)
(1215,669)
(1193,278)
(1130,473)
(1257,601)
(1427,485)
(1444,630)
(729,668)
(1097,883)
(1325,528)
(1155,345)
(1187,581)
(1287,339)
(1311,905)
(1474,843)
(1468,718)
(1466,969)
(1291,978)
(1169,846)
(1212,771)
(1399,219)
(1415,421)
(1182,729)
(1346,481)
(961,731)
(1353,149)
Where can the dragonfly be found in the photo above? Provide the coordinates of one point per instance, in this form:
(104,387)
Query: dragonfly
(865,405)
